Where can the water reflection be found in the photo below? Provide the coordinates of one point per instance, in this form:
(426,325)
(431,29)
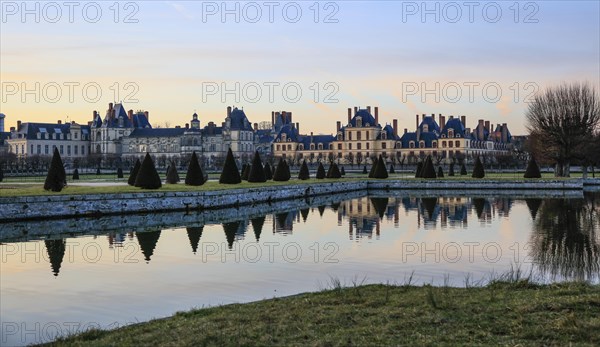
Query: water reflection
(566,237)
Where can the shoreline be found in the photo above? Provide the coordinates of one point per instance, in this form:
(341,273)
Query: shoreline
(61,206)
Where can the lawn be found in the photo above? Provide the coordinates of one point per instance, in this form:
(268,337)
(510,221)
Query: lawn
(501,313)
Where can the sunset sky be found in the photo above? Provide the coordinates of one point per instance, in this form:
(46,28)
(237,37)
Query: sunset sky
(375,54)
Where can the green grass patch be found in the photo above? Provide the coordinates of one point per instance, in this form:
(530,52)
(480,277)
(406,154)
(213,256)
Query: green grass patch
(502,313)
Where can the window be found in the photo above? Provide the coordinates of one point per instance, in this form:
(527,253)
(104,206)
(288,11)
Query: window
(39,149)
(46,149)
(349,136)
(421,144)
(425,128)
(384,145)
(367,135)
(434,143)
(75,135)
(359,145)
(289,147)
(450,132)
(69,150)
(312,146)
(443,144)
(367,145)
(320,146)
(450,144)
(301,147)
(349,146)
(359,135)
(31,149)
(75,148)
(411,144)
(358,122)
(457,143)
(339,137)
(279,147)
(339,146)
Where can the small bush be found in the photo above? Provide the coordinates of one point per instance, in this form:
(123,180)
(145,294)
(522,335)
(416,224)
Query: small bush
(478,171)
(440,172)
(451,170)
(392,170)
(256,173)
(463,169)
(98,172)
(245,172)
(147,177)
(119,173)
(172,174)
(419,171)
(373,168)
(365,170)
(320,171)
(282,172)
(342,171)
(334,171)
(380,169)
(304,174)
(56,179)
(194,175)
(230,173)
(268,172)
(1,174)
(428,168)
(75,174)
(134,172)
(533,170)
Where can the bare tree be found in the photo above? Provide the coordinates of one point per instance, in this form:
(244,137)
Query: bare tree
(566,117)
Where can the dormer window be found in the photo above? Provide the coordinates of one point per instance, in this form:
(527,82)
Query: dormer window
(320,146)
(383,136)
(367,125)
(358,122)
(443,136)
(411,144)
(312,146)
(421,144)
(339,137)
(425,128)
(301,147)
(450,132)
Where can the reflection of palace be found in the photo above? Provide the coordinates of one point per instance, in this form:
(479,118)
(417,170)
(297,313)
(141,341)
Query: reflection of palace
(565,237)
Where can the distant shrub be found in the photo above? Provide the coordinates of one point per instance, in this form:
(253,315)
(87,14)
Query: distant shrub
(478,171)
(56,179)
(268,172)
(334,171)
(256,171)
(440,172)
(134,172)
(428,168)
(342,171)
(419,171)
(119,173)
(320,171)
(365,170)
(245,172)
(380,169)
(282,172)
(463,169)
(1,174)
(230,173)
(147,177)
(194,175)
(172,174)
(392,170)
(304,174)
(75,174)
(373,168)
(451,170)
(533,170)
(98,172)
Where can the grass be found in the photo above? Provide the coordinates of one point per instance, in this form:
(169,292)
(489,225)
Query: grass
(501,313)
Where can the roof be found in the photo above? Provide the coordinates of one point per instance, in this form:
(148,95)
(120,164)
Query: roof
(30,130)
(306,140)
(209,130)
(290,132)
(389,133)
(4,136)
(121,120)
(239,121)
(158,132)
(432,125)
(366,116)
(456,125)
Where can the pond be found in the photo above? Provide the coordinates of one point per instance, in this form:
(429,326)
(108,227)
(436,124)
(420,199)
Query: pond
(65,276)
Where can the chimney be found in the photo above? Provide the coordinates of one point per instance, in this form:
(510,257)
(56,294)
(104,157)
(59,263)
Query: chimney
(12,129)
(110,105)
(255,126)
(338,126)
(311,134)
(405,130)
(417,121)
(349,114)
(59,122)
(73,122)
(376,115)
(487,125)
(443,121)
(463,120)
(272,118)
(228,111)
(290,115)
(480,130)
(355,110)
(187,125)
(147,114)
(130,115)
(223,124)
(18,125)
(504,133)
(369,109)
(90,124)
(298,127)
(112,113)
(395,128)
(95,114)
(179,126)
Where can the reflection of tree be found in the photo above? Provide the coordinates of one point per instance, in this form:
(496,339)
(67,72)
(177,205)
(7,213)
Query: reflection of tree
(304,213)
(194,235)
(380,205)
(429,207)
(257,225)
(56,253)
(231,229)
(147,241)
(335,206)
(534,205)
(565,238)
(321,210)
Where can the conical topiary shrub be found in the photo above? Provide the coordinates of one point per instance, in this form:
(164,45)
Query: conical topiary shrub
(134,172)
(419,171)
(268,172)
(320,171)
(282,172)
(440,172)
(373,168)
(451,170)
(245,172)
(230,173)
(303,174)
(1,174)
(147,177)
(56,179)
(463,169)
(380,169)
(256,171)
(172,175)
(119,173)
(194,175)
(98,172)
(342,171)
(392,170)
(533,170)
(478,171)
(75,174)
(428,168)
(334,171)
(365,170)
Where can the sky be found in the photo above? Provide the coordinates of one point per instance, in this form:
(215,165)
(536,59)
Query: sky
(483,60)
